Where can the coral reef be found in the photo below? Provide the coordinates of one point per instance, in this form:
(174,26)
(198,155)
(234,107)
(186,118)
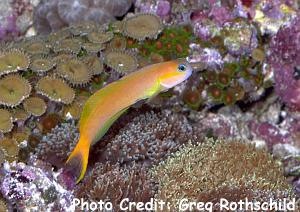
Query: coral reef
(238,168)
(245,85)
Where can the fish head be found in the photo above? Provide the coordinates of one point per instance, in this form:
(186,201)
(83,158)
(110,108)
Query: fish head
(175,72)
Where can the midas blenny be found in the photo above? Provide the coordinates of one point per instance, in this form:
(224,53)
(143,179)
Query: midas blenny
(105,106)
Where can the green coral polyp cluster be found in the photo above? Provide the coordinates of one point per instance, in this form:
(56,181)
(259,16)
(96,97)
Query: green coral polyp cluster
(172,43)
(227,86)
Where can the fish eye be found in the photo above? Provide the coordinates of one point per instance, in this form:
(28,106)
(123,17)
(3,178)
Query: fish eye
(181,67)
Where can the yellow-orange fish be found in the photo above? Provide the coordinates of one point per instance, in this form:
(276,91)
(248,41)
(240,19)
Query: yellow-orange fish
(105,106)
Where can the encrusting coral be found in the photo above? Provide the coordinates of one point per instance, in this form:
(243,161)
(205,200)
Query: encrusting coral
(200,171)
(284,60)
(13,90)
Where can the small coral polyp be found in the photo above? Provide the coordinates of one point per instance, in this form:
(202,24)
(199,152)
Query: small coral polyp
(37,48)
(12,61)
(94,64)
(41,64)
(35,106)
(75,71)
(10,148)
(6,121)
(121,61)
(142,26)
(172,43)
(100,37)
(13,90)
(55,89)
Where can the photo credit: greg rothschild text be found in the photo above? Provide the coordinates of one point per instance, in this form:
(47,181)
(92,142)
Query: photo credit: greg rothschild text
(187,205)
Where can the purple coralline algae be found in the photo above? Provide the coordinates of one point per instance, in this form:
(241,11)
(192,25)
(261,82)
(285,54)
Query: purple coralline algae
(271,134)
(15,17)
(284,59)
(33,187)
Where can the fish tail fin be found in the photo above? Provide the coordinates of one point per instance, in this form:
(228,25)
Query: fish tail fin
(78,159)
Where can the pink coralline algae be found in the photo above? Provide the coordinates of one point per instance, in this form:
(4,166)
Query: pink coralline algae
(33,188)
(284,58)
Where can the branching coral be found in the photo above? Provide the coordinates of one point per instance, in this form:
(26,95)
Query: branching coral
(57,144)
(114,183)
(148,138)
(202,170)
